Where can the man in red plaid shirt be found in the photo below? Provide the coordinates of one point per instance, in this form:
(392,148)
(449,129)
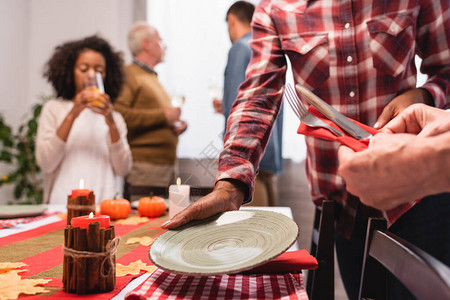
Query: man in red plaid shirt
(359,57)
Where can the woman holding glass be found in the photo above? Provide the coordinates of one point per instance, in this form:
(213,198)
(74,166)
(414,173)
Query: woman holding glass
(79,135)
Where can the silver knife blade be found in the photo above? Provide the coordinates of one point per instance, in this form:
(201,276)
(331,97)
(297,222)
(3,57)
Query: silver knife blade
(333,115)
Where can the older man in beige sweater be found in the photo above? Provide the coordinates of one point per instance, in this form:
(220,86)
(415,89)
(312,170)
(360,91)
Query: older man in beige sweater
(153,124)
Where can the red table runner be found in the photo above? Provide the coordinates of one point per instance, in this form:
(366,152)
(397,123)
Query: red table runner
(41,250)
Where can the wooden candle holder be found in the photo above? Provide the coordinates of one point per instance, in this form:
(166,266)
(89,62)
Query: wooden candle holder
(80,206)
(89,264)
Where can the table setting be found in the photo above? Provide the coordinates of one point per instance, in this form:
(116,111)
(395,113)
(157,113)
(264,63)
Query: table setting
(251,253)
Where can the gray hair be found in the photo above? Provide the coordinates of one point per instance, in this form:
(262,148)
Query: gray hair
(141,30)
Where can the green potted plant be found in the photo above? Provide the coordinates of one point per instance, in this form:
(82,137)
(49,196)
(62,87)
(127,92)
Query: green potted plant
(17,150)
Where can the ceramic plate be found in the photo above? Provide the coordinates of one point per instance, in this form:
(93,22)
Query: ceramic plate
(226,243)
(20,211)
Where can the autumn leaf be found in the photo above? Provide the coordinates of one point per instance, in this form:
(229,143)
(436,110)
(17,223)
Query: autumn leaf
(144,241)
(7,266)
(135,220)
(62,216)
(12,285)
(133,268)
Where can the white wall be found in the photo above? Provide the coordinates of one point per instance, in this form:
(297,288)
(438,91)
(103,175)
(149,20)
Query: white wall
(30,30)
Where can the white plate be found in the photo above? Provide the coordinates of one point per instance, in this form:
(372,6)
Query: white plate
(21,211)
(226,243)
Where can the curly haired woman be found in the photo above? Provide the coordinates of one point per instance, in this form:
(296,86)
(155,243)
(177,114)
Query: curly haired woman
(80,136)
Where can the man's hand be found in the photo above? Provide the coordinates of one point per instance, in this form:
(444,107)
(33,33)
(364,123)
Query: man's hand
(217,104)
(420,119)
(172,114)
(226,196)
(399,103)
(180,127)
(385,175)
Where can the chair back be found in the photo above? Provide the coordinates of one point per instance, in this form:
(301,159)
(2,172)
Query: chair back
(320,282)
(423,275)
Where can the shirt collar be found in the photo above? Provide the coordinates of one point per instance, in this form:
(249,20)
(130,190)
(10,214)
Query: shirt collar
(144,66)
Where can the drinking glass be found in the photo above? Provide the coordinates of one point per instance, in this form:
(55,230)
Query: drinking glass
(96,84)
(177,100)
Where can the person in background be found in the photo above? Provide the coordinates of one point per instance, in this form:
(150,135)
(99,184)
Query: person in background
(153,124)
(239,17)
(359,56)
(79,135)
(420,146)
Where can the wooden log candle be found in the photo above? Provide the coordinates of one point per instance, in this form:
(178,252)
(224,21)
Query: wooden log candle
(89,259)
(80,204)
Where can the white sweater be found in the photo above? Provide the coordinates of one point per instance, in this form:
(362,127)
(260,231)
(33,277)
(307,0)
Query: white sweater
(88,153)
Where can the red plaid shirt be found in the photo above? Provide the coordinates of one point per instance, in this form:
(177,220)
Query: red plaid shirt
(356,55)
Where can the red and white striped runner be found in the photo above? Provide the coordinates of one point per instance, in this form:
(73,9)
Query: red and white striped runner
(163,285)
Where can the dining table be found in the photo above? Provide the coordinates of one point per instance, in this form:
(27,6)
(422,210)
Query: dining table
(37,242)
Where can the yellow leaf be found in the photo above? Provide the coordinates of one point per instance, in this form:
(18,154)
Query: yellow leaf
(135,220)
(7,266)
(133,268)
(12,285)
(144,241)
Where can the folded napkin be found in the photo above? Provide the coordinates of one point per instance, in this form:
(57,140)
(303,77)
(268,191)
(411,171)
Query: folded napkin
(325,134)
(165,285)
(357,145)
(288,262)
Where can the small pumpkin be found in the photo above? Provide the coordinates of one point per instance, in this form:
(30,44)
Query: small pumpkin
(152,206)
(115,208)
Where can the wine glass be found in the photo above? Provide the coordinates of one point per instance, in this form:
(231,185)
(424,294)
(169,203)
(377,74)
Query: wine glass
(215,92)
(177,100)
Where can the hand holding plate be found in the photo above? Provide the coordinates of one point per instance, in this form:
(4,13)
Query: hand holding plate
(226,196)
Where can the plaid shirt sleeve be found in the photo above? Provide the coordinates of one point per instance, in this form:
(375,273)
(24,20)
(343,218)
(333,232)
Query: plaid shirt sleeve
(433,46)
(257,105)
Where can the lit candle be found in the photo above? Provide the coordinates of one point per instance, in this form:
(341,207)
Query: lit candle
(81,191)
(84,221)
(179,197)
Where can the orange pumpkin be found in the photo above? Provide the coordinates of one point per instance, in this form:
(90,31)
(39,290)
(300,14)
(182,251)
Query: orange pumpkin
(151,206)
(115,208)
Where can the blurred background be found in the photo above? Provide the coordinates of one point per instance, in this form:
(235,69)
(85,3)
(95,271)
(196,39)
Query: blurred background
(194,31)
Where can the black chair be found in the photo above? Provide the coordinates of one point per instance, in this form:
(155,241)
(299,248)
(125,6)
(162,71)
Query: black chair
(423,275)
(320,282)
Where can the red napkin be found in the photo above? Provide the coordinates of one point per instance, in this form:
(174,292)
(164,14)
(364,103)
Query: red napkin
(288,262)
(325,134)
(357,145)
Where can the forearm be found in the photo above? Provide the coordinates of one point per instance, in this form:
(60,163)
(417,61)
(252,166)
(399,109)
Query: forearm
(65,127)
(120,153)
(439,159)
(139,119)
(113,131)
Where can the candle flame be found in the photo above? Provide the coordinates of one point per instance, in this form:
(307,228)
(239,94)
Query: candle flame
(178,181)
(91,215)
(81,185)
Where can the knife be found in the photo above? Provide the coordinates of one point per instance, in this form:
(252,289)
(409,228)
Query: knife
(333,115)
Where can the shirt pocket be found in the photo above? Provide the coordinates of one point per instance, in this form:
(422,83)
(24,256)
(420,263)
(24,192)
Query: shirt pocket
(392,42)
(309,56)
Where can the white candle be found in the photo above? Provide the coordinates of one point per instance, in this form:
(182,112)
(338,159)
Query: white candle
(179,198)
